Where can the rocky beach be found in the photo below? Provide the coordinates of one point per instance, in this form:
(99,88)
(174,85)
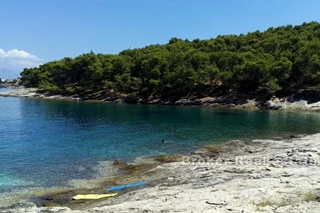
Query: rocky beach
(278,175)
(22,92)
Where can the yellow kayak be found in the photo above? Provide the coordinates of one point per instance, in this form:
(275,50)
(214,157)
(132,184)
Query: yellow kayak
(93,196)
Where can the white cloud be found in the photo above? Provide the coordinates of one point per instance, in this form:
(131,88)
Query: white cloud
(13,61)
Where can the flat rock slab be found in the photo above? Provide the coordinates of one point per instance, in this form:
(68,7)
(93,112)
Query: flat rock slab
(277,176)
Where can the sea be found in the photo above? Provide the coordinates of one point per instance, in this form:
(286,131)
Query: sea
(47,143)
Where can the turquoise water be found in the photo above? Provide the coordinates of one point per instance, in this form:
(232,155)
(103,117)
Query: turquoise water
(46,143)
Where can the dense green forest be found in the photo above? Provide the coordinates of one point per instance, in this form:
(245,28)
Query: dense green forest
(277,61)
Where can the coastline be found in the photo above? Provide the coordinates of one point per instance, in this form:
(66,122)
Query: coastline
(224,102)
(279,175)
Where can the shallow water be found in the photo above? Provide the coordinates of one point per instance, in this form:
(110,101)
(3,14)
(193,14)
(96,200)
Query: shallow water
(46,143)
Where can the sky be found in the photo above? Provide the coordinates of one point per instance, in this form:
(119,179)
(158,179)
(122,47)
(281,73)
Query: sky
(37,31)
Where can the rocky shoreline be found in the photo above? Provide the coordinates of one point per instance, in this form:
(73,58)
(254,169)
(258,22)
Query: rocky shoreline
(226,102)
(22,92)
(279,175)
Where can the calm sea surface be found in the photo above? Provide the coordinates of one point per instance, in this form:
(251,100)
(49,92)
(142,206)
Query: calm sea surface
(46,143)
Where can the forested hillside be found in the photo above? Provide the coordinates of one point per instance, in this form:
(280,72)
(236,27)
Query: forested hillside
(278,60)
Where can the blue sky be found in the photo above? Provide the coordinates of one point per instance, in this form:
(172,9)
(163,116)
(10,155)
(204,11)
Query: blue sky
(37,31)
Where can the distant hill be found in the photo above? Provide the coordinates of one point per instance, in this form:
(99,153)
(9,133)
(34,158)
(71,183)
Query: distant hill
(259,64)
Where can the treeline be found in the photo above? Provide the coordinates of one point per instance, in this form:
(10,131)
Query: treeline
(278,60)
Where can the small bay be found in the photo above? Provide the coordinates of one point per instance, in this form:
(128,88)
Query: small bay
(46,143)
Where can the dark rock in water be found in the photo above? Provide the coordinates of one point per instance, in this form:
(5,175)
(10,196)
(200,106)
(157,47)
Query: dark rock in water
(165,141)
(117,162)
